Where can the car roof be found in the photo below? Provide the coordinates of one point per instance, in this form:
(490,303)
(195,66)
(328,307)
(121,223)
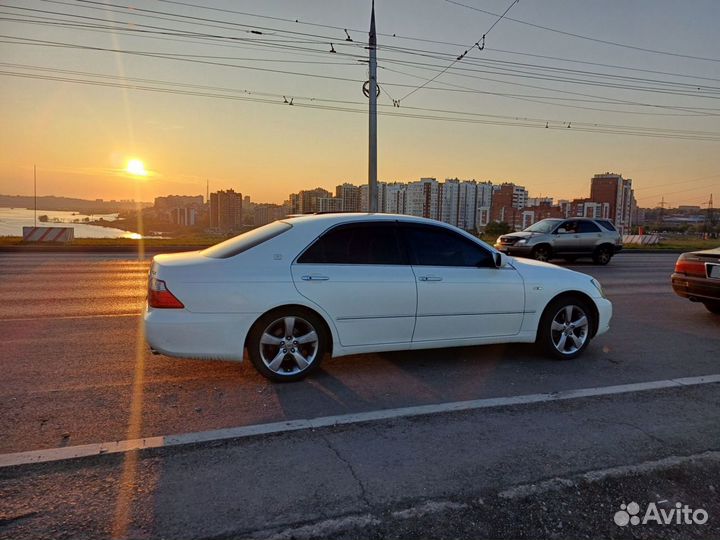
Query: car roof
(333,218)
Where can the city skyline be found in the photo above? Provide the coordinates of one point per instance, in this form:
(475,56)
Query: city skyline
(89,94)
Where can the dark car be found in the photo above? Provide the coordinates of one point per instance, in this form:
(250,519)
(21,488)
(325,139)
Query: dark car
(697,278)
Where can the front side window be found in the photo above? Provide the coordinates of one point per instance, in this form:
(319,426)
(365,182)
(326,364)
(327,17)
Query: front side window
(571,227)
(544,226)
(437,246)
(357,243)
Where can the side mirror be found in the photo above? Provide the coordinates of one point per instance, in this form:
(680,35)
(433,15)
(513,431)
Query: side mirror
(561,230)
(500,260)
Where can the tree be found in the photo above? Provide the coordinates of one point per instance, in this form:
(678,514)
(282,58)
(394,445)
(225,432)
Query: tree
(494,228)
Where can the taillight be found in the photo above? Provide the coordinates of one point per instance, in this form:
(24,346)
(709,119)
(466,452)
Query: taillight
(159,296)
(690,266)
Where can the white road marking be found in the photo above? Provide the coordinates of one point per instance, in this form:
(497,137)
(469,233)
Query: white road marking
(52,317)
(537,488)
(87,450)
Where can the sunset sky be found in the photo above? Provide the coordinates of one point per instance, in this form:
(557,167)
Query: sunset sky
(237,132)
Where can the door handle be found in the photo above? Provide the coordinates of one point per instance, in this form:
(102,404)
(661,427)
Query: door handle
(429,278)
(315,278)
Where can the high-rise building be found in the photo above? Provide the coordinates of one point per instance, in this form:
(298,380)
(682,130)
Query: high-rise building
(449,201)
(484,204)
(306,201)
(364,196)
(329,204)
(267,213)
(508,200)
(423,198)
(617,192)
(394,198)
(226,210)
(350,196)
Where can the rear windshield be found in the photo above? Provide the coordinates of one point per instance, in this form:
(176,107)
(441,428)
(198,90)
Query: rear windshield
(245,241)
(606,224)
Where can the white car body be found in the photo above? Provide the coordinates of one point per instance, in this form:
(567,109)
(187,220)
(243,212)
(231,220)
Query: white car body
(367,308)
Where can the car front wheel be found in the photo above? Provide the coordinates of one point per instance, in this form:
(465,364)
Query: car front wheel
(287,344)
(541,253)
(602,256)
(565,327)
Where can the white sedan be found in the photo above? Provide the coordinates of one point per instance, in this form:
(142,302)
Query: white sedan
(296,289)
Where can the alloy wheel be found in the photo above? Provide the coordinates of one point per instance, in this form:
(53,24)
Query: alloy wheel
(569,329)
(289,345)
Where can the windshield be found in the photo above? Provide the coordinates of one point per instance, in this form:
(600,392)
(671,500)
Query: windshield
(544,226)
(245,241)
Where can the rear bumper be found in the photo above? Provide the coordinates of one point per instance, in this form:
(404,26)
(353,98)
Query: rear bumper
(696,288)
(210,336)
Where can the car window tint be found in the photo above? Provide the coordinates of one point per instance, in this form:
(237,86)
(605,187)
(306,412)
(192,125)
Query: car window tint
(607,225)
(234,246)
(587,227)
(569,226)
(437,246)
(361,243)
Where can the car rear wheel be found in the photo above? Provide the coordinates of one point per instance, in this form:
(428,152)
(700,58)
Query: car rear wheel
(287,344)
(565,327)
(541,253)
(713,307)
(602,255)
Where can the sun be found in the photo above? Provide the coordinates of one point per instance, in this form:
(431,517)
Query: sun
(136,168)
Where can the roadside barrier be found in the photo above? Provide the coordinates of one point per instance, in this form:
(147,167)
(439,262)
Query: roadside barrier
(48,234)
(642,239)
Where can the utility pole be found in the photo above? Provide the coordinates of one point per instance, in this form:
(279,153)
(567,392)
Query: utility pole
(35,191)
(661,215)
(372,96)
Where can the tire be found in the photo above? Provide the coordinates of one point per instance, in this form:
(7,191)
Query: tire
(602,255)
(283,360)
(541,253)
(712,307)
(570,316)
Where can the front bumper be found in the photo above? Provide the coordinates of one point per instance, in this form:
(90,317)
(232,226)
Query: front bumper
(605,311)
(696,288)
(515,250)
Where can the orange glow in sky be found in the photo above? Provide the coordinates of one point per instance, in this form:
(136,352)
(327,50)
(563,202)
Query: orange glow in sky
(218,109)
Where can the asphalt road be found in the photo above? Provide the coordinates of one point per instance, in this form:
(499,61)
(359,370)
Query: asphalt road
(70,355)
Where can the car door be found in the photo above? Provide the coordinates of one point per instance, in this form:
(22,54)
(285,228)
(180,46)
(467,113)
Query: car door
(358,274)
(567,241)
(590,236)
(461,294)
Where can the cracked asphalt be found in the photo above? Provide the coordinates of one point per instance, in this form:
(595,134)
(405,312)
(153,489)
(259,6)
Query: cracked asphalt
(69,359)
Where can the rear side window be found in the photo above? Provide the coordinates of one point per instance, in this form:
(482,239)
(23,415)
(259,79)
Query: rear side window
(234,246)
(606,224)
(587,227)
(357,243)
(437,246)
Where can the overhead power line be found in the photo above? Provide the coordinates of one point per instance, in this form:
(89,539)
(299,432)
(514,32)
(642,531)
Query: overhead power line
(463,55)
(580,36)
(185,89)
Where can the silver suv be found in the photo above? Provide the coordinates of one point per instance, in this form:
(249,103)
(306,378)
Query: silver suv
(564,238)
